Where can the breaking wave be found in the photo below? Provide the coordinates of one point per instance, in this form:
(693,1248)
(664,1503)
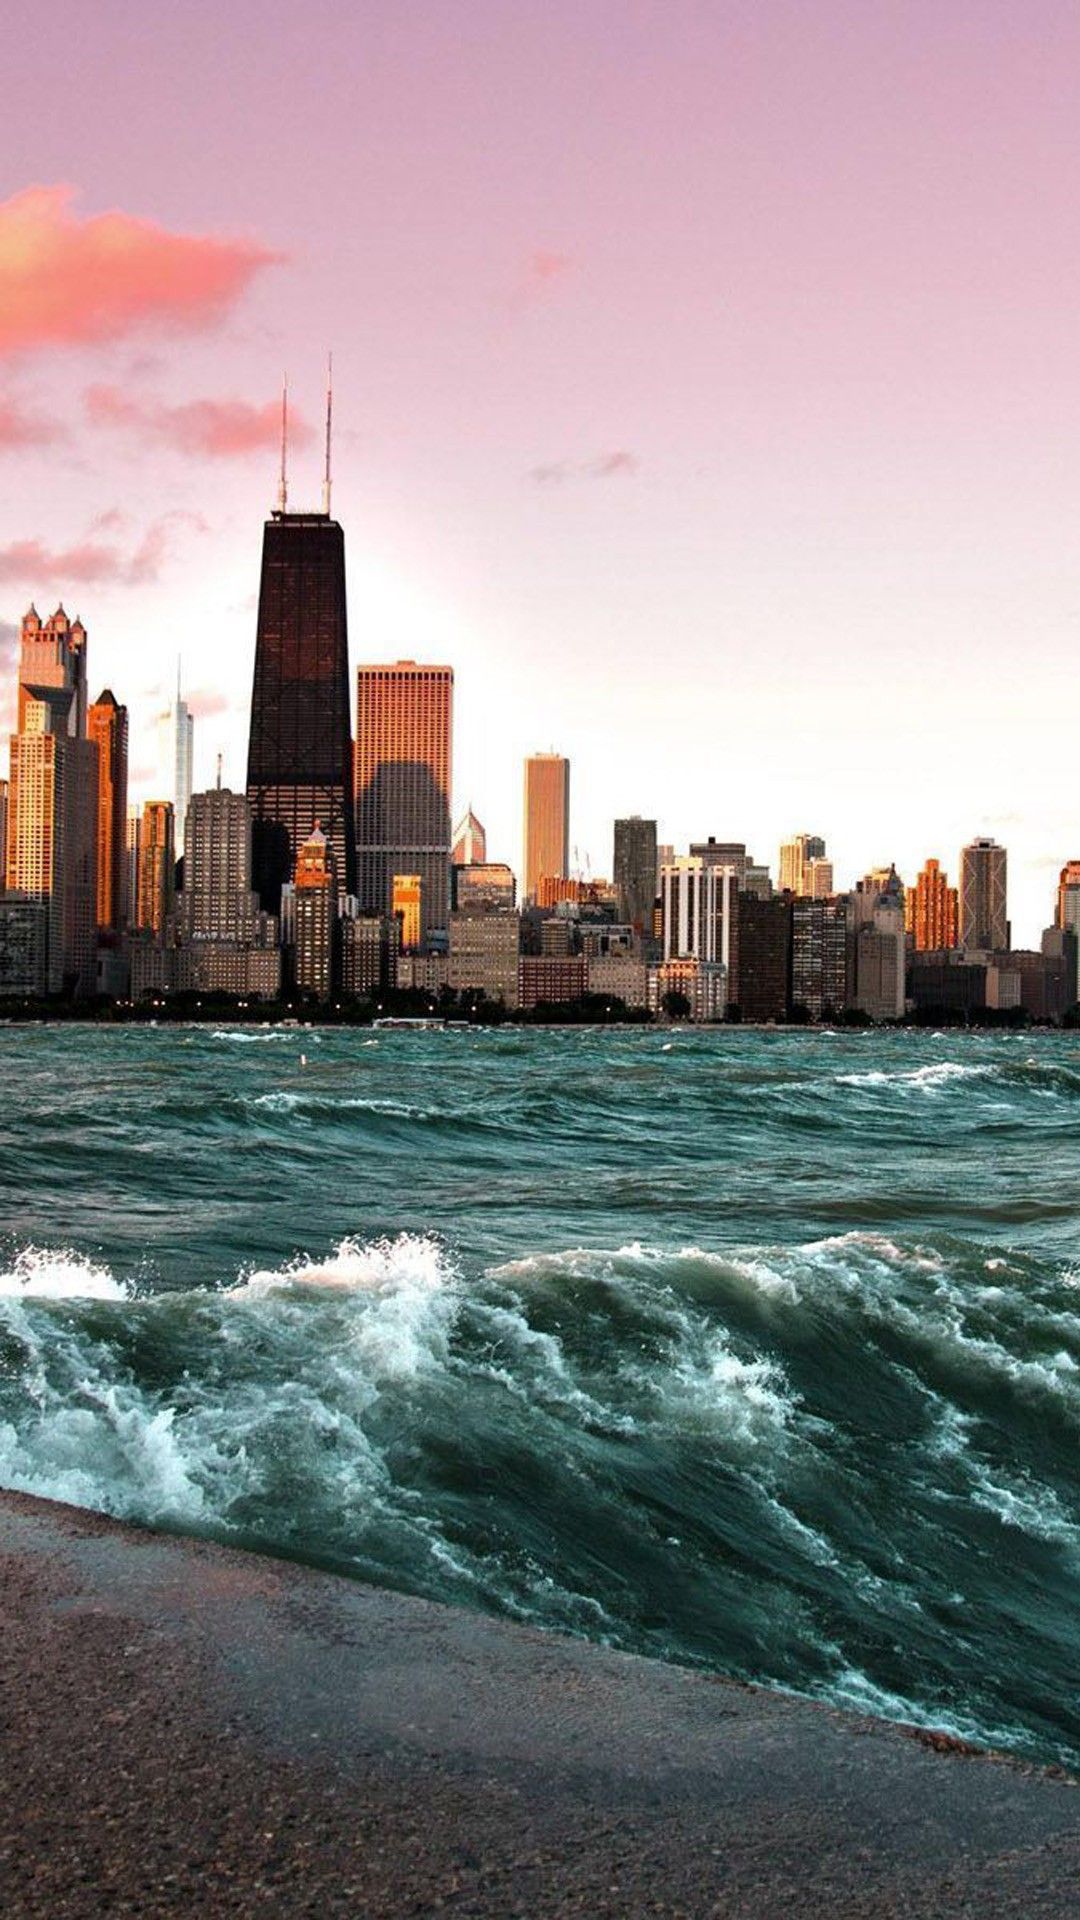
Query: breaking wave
(786,1463)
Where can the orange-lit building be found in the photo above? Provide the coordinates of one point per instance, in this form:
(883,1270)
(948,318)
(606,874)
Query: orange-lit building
(52,796)
(407,906)
(107,727)
(404,720)
(156,870)
(931,911)
(547,820)
(315,910)
(1067,914)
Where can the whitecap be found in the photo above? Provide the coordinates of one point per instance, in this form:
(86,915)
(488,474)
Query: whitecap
(42,1273)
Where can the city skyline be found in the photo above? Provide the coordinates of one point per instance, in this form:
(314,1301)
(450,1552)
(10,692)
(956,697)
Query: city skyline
(668,397)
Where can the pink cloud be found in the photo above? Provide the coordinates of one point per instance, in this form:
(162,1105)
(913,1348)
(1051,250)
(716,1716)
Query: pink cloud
(545,266)
(621,464)
(92,562)
(215,429)
(205,702)
(21,427)
(66,281)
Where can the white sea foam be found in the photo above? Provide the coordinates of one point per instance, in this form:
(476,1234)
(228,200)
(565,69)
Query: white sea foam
(410,1262)
(43,1273)
(927,1079)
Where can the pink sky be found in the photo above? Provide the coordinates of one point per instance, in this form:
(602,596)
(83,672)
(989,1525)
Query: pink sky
(705,378)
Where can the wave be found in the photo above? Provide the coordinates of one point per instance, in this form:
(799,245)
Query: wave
(845,1465)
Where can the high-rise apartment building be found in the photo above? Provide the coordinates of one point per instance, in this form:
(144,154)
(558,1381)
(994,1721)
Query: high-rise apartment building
(404,722)
(821,957)
(634,872)
(315,921)
(156,869)
(699,916)
(52,798)
(1067,906)
(176,756)
(932,911)
(818,877)
(300,745)
(547,819)
(763,986)
(107,727)
(795,857)
(470,842)
(485,888)
(984,922)
(218,901)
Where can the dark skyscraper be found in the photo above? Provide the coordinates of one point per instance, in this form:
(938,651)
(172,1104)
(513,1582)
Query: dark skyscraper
(300,744)
(634,871)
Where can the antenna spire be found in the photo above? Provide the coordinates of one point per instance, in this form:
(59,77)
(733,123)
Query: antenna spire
(283,491)
(329,411)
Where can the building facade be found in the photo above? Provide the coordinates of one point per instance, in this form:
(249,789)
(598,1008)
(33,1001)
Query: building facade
(53,797)
(157,869)
(484,953)
(821,959)
(932,911)
(300,745)
(107,727)
(634,872)
(315,916)
(795,857)
(404,739)
(984,917)
(547,820)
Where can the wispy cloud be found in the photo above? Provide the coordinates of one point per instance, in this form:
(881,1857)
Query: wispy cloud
(214,429)
(618,465)
(69,281)
(541,273)
(21,426)
(91,562)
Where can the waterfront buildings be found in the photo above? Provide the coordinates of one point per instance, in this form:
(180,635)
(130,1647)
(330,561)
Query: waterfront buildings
(155,886)
(547,820)
(763,987)
(407,907)
(107,727)
(984,923)
(634,871)
(300,745)
(932,910)
(404,723)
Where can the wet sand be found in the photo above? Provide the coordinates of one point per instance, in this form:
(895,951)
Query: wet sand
(186,1729)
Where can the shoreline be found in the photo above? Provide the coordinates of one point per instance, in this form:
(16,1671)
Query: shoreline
(192,1727)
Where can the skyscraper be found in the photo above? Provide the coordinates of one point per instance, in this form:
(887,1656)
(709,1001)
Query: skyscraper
(300,746)
(547,819)
(107,727)
(470,842)
(1067,909)
(52,797)
(404,716)
(634,871)
(795,857)
(315,915)
(932,910)
(218,901)
(156,870)
(984,924)
(176,751)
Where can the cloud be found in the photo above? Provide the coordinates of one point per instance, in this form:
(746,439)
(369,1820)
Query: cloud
(620,464)
(21,427)
(91,562)
(205,702)
(214,429)
(66,281)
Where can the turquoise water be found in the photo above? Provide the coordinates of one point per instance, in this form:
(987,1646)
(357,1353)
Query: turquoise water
(756,1351)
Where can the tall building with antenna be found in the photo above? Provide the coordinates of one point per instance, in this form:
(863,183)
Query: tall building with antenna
(176,755)
(300,742)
